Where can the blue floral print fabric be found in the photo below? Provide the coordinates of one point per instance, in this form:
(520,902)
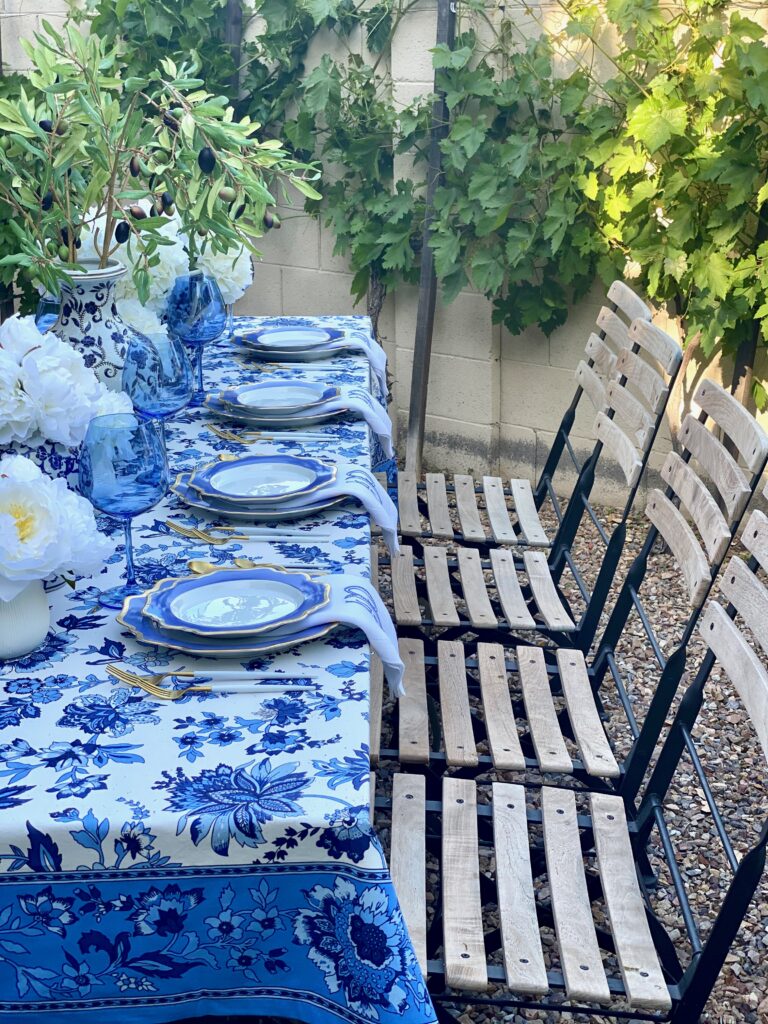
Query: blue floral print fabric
(214,855)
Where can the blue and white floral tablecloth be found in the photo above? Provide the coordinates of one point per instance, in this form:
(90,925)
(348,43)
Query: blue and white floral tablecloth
(208,856)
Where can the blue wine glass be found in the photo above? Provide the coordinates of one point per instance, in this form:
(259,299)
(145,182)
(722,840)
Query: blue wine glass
(123,472)
(195,313)
(157,376)
(47,312)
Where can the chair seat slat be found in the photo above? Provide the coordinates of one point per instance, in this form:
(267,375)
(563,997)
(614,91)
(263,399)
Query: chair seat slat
(579,952)
(755,537)
(458,735)
(590,382)
(612,325)
(544,592)
(465,964)
(408,505)
(523,955)
(527,513)
(657,343)
(406,601)
(594,748)
(374,715)
(479,610)
(500,723)
(631,305)
(737,422)
(509,591)
(602,355)
(408,858)
(466,506)
(639,964)
(413,737)
(551,751)
(437,503)
(496,507)
(439,587)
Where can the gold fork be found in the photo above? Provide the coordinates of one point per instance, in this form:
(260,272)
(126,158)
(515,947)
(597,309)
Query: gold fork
(150,683)
(193,533)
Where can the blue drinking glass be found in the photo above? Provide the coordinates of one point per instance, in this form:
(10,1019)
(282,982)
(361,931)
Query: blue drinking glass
(123,472)
(195,313)
(157,376)
(47,312)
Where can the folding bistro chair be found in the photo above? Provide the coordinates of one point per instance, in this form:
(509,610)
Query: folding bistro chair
(492,599)
(526,708)
(434,508)
(544,893)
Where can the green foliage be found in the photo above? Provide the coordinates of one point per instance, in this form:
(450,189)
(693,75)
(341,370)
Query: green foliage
(95,140)
(551,176)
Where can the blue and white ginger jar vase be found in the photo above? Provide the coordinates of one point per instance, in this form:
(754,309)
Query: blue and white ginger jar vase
(90,322)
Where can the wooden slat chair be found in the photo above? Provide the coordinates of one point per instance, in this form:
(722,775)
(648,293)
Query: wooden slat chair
(436,508)
(524,708)
(504,595)
(546,894)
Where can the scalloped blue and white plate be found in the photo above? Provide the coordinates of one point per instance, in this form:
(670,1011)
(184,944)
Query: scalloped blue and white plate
(278,397)
(148,632)
(235,602)
(258,480)
(268,514)
(266,420)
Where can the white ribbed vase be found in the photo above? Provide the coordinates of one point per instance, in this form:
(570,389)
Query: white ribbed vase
(24,621)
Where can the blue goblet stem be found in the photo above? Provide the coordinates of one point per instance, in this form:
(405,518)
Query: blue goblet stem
(230,329)
(130,572)
(199,370)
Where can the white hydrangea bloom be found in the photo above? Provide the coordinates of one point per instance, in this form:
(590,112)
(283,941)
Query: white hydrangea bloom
(233,272)
(45,529)
(141,318)
(632,269)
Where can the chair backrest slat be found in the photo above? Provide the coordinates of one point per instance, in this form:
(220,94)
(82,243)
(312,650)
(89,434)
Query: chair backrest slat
(602,355)
(755,537)
(631,305)
(643,376)
(736,421)
(615,441)
(683,543)
(593,386)
(614,327)
(632,411)
(742,665)
(719,465)
(749,597)
(700,505)
(657,343)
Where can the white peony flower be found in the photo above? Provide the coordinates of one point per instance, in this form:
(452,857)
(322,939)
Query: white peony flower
(141,318)
(47,393)
(17,419)
(233,272)
(45,529)
(110,402)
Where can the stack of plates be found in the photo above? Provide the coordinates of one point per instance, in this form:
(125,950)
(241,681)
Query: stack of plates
(277,403)
(257,487)
(292,344)
(228,612)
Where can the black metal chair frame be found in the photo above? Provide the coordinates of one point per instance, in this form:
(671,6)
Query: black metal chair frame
(689,986)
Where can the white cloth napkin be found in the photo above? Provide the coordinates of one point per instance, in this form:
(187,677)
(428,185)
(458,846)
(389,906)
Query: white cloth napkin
(359,341)
(361,484)
(354,602)
(358,400)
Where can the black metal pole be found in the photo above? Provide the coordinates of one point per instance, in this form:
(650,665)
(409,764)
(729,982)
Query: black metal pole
(425,317)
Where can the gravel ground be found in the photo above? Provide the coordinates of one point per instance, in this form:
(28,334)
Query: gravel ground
(737,771)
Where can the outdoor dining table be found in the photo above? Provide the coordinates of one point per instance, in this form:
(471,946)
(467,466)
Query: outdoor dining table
(214,854)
